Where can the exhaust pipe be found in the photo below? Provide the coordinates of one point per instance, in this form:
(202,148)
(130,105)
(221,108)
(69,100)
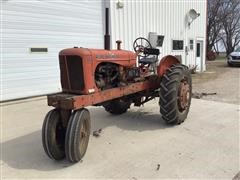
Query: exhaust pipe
(107,35)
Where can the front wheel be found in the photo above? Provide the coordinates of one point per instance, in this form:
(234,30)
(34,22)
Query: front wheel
(53,135)
(77,135)
(175,94)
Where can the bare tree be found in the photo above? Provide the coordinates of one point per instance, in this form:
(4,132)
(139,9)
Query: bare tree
(214,22)
(230,32)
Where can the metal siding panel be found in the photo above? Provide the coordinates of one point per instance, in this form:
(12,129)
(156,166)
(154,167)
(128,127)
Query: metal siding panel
(164,17)
(52,24)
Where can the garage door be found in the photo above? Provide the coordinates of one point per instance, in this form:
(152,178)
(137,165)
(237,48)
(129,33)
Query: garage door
(33,34)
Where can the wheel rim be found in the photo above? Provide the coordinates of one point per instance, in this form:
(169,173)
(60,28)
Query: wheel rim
(84,136)
(183,95)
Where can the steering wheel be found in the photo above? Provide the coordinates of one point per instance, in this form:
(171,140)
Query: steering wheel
(140,44)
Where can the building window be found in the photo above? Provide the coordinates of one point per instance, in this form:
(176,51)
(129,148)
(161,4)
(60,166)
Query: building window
(177,45)
(198,50)
(191,44)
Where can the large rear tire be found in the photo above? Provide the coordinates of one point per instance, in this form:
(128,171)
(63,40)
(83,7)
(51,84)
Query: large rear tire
(175,94)
(77,135)
(117,106)
(53,135)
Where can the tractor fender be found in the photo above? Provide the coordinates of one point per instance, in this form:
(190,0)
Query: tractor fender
(165,63)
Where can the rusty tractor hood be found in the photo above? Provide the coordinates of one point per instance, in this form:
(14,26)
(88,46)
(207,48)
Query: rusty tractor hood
(100,54)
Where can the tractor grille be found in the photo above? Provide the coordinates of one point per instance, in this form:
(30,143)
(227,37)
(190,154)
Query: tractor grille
(71,69)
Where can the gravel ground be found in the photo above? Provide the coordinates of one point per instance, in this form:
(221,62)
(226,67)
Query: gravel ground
(220,79)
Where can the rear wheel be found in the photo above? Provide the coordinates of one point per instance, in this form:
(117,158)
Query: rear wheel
(117,106)
(77,135)
(53,135)
(175,94)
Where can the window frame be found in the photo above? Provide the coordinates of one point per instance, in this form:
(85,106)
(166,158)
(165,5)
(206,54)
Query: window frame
(177,50)
(198,53)
(189,44)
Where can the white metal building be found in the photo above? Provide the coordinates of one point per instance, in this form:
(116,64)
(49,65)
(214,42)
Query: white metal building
(34,31)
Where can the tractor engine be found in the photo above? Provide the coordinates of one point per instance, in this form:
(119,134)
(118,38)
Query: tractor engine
(110,75)
(107,75)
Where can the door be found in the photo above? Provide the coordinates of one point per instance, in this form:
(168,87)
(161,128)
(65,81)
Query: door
(33,34)
(199,55)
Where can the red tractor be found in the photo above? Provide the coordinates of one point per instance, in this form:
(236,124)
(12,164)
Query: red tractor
(112,79)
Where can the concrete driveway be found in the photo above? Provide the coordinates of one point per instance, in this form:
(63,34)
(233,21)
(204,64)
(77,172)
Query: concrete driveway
(219,79)
(131,145)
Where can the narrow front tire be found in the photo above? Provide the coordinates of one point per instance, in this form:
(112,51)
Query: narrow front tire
(53,135)
(77,135)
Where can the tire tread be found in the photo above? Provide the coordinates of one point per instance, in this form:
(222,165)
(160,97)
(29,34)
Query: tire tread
(168,93)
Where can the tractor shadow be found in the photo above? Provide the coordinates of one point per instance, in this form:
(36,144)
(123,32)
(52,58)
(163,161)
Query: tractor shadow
(135,119)
(26,152)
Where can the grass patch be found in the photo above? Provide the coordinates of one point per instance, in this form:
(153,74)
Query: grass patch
(221,56)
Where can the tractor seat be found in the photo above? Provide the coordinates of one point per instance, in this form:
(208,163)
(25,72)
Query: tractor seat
(148,60)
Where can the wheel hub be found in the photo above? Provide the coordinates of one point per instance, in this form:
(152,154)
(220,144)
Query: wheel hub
(184,95)
(83,136)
